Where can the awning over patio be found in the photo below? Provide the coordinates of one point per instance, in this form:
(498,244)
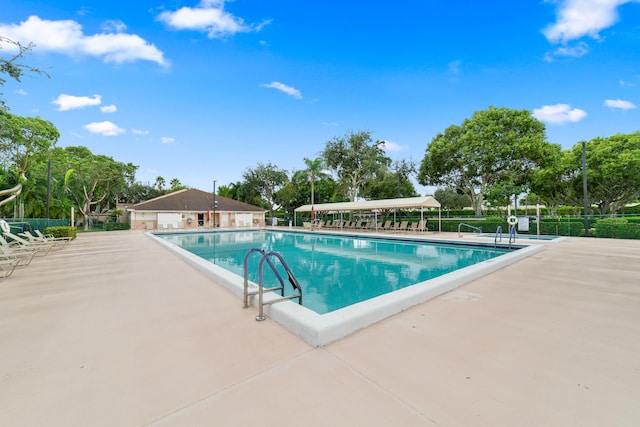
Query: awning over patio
(371,205)
(418,203)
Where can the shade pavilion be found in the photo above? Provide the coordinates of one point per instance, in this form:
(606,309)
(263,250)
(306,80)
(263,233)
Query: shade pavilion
(375,206)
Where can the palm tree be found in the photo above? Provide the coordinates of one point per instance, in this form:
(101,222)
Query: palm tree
(314,170)
(160,183)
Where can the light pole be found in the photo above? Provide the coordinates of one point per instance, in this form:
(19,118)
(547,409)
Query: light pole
(48,185)
(584,188)
(215,203)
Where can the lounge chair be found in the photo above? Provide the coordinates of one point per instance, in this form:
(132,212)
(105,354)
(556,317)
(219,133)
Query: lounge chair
(7,266)
(402,226)
(24,255)
(422,225)
(51,237)
(17,241)
(387,225)
(57,244)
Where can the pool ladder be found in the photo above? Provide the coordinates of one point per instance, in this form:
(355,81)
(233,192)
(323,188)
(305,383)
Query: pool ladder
(498,238)
(266,257)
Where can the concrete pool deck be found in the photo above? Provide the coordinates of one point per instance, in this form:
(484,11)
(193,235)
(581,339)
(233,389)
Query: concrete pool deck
(116,330)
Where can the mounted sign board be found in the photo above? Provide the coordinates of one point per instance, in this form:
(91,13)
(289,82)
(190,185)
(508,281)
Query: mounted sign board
(523,223)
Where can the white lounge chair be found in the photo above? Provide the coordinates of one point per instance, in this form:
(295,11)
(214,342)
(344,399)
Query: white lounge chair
(56,244)
(17,241)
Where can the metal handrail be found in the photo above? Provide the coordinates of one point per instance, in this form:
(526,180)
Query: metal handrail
(266,257)
(513,233)
(467,225)
(498,233)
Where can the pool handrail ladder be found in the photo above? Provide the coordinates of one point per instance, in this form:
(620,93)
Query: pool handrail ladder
(266,256)
(479,230)
(512,233)
(498,236)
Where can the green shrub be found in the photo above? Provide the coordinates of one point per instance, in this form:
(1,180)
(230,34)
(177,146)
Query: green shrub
(617,228)
(109,226)
(61,231)
(631,210)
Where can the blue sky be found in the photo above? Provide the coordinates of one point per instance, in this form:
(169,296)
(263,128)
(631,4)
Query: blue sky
(203,90)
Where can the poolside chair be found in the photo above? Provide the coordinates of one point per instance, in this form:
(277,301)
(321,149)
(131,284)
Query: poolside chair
(24,255)
(51,237)
(17,241)
(57,244)
(422,226)
(402,226)
(387,225)
(358,225)
(413,227)
(7,266)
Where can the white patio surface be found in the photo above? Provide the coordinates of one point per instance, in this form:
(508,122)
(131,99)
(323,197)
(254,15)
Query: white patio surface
(114,330)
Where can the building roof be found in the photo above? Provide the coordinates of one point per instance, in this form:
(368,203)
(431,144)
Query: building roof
(404,203)
(193,200)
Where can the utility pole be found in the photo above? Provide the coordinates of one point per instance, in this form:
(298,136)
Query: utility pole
(584,188)
(215,204)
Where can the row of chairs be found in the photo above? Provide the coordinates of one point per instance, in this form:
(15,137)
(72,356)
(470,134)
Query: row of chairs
(388,225)
(18,250)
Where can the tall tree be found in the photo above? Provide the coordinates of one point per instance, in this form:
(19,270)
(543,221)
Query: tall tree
(160,183)
(12,66)
(404,169)
(23,140)
(449,198)
(553,183)
(176,185)
(613,170)
(355,159)
(93,178)
(494,145)
(315,172)
(386,187)
(266,180)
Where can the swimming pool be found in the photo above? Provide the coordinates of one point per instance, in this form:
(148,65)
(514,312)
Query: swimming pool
(337,269)
(533,237)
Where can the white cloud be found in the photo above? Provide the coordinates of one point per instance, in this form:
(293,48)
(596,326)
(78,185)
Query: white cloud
(619,104)
(454,67)
(104,128)
(115,26)
(574,52)
(391,146)
(21,92)
(167,140)
(559,114)
(286,89)
(139,132)
(209,16)
(69,102)
(66,37)
(109,109)
(624,83)
(578,18)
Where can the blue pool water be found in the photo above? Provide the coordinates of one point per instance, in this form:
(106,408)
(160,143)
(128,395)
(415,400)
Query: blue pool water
(505,237)
(335,271)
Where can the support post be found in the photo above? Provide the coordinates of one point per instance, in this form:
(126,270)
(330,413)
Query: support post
(584,188)
(214,204)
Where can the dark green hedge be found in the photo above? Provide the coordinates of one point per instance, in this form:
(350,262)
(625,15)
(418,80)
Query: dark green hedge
(617,228)
(110,226)
(631,210)
(61,231)
(549,227)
